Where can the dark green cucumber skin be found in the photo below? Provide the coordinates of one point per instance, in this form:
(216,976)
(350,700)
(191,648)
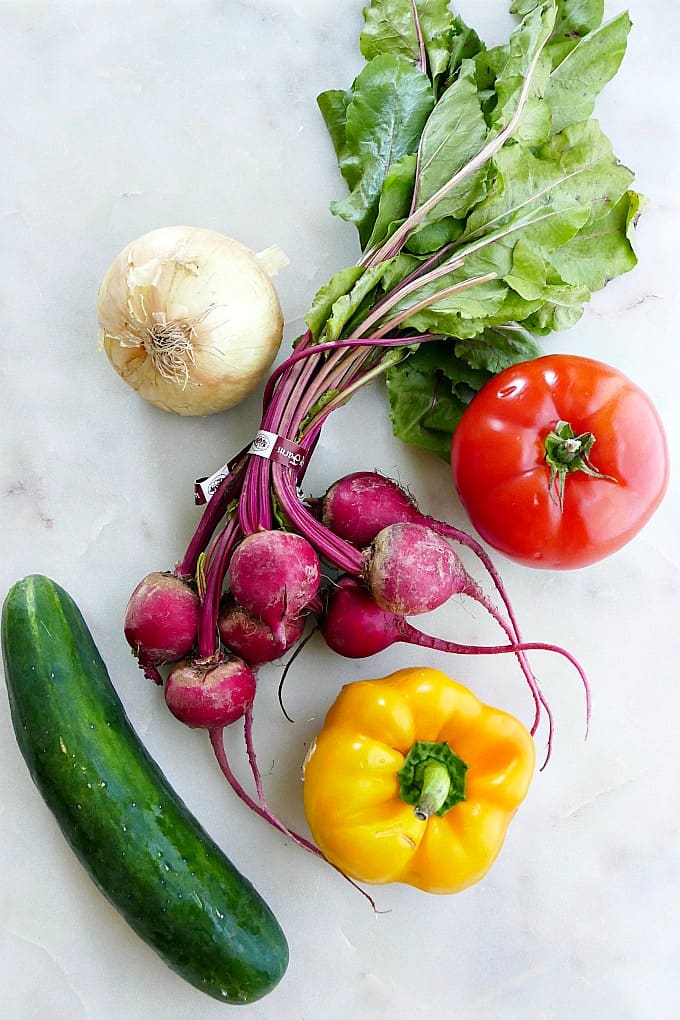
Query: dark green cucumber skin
(135,837)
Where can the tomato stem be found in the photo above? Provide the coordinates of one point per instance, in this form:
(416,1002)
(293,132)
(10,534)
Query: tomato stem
(565,452)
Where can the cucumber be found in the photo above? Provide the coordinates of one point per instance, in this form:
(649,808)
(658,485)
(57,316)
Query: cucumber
(136,838)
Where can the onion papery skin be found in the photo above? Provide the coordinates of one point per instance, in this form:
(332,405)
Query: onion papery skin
(209,292)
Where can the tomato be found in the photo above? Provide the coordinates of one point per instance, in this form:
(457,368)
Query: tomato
(606,445)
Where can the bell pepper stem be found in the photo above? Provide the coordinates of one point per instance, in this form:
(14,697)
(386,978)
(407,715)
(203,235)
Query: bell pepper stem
(435,790)
(432,779)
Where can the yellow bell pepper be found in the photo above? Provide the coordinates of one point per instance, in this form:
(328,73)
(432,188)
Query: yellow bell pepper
(412,779)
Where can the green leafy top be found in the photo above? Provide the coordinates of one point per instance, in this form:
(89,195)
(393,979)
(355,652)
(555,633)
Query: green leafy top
(489,203)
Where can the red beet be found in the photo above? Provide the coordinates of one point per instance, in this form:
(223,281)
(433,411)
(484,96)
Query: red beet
(410,569)
(210,696)
(253,639)
(161,619)
(274,575)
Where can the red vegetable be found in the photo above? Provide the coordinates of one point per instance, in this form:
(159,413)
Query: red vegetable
(210,696)
(274,575)
(247,636)
(358,506)
(161,621)
(560,461)
(410,569)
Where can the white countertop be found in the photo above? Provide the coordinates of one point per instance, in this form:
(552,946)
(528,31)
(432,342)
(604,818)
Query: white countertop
(120,117)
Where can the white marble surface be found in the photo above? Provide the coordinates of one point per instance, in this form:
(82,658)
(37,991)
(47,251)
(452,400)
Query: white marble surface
(119,117)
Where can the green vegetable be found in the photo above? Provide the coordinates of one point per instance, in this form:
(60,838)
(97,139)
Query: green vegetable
(484,165)
(381,121)
(137,840)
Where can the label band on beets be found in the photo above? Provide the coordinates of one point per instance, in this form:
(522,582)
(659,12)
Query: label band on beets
(277,448)
(265,444)
(205,488)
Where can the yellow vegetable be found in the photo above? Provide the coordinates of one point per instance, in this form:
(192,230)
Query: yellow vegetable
(412,779)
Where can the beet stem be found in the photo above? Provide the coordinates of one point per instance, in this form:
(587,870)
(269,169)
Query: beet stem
(217,741)
(473,591)
(479,596)
(252,760)
(414,636)
(208,635)
(210,518)
(332,345)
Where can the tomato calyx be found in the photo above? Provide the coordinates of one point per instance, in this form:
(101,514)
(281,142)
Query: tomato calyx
(565,452)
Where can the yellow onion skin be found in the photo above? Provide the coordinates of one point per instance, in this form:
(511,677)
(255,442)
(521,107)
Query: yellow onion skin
(190,319)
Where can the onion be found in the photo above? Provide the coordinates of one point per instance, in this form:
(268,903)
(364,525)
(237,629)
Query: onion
(190,319)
